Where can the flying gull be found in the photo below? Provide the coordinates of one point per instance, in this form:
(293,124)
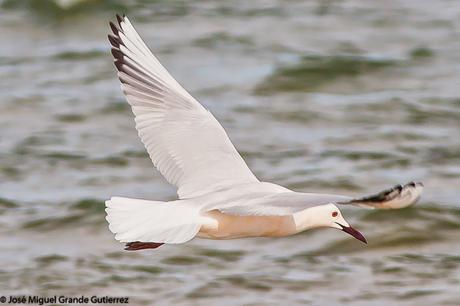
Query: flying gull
(218,195)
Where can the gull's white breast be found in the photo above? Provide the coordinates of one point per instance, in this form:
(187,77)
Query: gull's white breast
(217,225)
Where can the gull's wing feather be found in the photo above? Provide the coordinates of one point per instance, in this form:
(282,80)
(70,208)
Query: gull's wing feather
(270,201)
(185,142)
(266,199)
(282,204)
(397,197)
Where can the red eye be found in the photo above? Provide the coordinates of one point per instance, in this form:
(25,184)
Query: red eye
(334,214)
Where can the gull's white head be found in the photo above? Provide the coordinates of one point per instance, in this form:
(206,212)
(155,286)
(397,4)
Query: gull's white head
(329,215)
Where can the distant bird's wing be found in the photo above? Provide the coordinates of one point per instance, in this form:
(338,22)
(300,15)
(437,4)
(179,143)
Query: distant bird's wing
(184,140)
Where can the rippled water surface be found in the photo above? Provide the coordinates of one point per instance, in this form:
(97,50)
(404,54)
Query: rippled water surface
(330,96)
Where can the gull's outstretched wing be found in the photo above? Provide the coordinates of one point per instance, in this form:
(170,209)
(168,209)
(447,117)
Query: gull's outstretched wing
(184,140)
(397,197)
(273,200)
(280,204)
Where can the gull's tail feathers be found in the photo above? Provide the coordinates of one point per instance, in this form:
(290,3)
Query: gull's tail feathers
(399,196)
(148,224)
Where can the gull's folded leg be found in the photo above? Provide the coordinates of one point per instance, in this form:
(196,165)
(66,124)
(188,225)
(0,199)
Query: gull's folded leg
(137,245)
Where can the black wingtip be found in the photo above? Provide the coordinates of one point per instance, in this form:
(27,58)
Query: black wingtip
(117,54)
(118,64)
(113,41)
(119,19)
(114,28)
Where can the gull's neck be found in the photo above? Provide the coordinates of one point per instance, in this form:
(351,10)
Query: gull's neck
(307,219)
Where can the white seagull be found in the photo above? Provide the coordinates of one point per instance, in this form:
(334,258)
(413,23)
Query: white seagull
(218,196)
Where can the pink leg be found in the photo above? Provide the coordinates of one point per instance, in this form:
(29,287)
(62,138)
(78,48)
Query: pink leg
(137,245)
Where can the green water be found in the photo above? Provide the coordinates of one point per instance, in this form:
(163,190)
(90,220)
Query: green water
(343,97)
